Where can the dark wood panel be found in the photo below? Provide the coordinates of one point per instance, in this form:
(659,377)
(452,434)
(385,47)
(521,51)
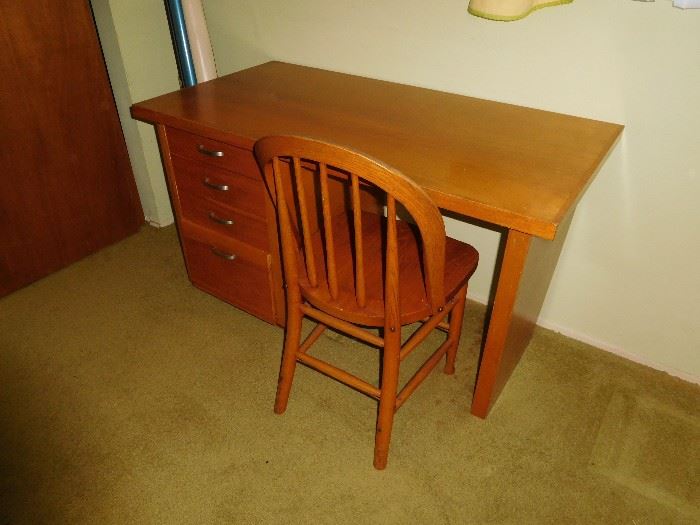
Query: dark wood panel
(66,188)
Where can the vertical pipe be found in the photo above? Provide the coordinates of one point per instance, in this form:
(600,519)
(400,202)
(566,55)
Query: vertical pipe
(178,30)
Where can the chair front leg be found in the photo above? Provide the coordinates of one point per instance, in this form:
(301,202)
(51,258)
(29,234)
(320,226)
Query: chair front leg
(292,337)
(387,399)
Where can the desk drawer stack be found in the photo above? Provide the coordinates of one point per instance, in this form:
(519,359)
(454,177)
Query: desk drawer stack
(224,218)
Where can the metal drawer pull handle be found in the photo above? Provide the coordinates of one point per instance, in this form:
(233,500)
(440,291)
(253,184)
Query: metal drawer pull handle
(214,217)
(223,255)
(209,152)
(215,186)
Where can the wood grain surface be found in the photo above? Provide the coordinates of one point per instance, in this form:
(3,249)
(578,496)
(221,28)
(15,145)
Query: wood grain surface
(508,165)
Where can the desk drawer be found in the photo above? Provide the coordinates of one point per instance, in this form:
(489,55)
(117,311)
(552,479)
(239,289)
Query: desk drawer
(229,189)
(227,221)
(231,271)
(213,153)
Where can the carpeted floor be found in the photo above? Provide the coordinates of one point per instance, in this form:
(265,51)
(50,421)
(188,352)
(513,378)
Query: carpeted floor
(129,397)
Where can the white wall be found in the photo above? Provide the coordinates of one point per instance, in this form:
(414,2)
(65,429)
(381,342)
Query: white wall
(627,280)
(136,43)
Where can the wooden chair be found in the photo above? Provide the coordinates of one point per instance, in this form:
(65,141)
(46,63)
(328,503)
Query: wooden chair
(350,263)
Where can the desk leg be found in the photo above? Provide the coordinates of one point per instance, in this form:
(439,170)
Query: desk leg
(526,271)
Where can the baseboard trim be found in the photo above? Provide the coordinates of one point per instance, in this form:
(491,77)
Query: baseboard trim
(607,347)
(614,349)
(156,224)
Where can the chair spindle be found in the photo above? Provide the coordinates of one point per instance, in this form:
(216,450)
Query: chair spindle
(331,270)
(391,280)
(360,289)
(306,228)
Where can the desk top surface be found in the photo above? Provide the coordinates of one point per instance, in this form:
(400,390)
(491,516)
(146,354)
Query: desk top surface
(507,165)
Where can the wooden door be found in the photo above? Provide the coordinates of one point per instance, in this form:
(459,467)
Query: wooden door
(66,185)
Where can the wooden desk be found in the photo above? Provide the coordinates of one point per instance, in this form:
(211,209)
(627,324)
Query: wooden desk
(516,168)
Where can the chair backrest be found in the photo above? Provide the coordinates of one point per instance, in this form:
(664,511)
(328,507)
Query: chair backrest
(303,175)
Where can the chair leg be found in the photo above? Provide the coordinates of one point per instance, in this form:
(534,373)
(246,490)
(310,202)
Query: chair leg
(455,331)
(292,336)
(387,400)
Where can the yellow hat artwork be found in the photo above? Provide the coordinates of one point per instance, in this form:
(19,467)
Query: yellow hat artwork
(508,10)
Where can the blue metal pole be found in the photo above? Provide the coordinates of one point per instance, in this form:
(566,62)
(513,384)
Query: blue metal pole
(178,30)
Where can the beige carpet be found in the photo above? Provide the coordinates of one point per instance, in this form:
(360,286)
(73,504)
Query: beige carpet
(129,397)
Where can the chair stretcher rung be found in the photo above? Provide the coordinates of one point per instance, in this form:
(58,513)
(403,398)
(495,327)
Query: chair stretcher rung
(341,375)
(419,335)
(422,373)
(443,326)
(344,326)
(312,337)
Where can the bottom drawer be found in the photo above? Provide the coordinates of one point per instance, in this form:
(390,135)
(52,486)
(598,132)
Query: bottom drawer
(236,278)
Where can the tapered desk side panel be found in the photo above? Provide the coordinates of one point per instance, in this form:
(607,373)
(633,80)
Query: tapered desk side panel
(525,274)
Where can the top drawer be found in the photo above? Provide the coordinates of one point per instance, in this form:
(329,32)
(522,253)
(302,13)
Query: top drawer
(213,152)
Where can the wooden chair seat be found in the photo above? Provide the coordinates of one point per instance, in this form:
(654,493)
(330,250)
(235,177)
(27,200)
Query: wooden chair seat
(461,261)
